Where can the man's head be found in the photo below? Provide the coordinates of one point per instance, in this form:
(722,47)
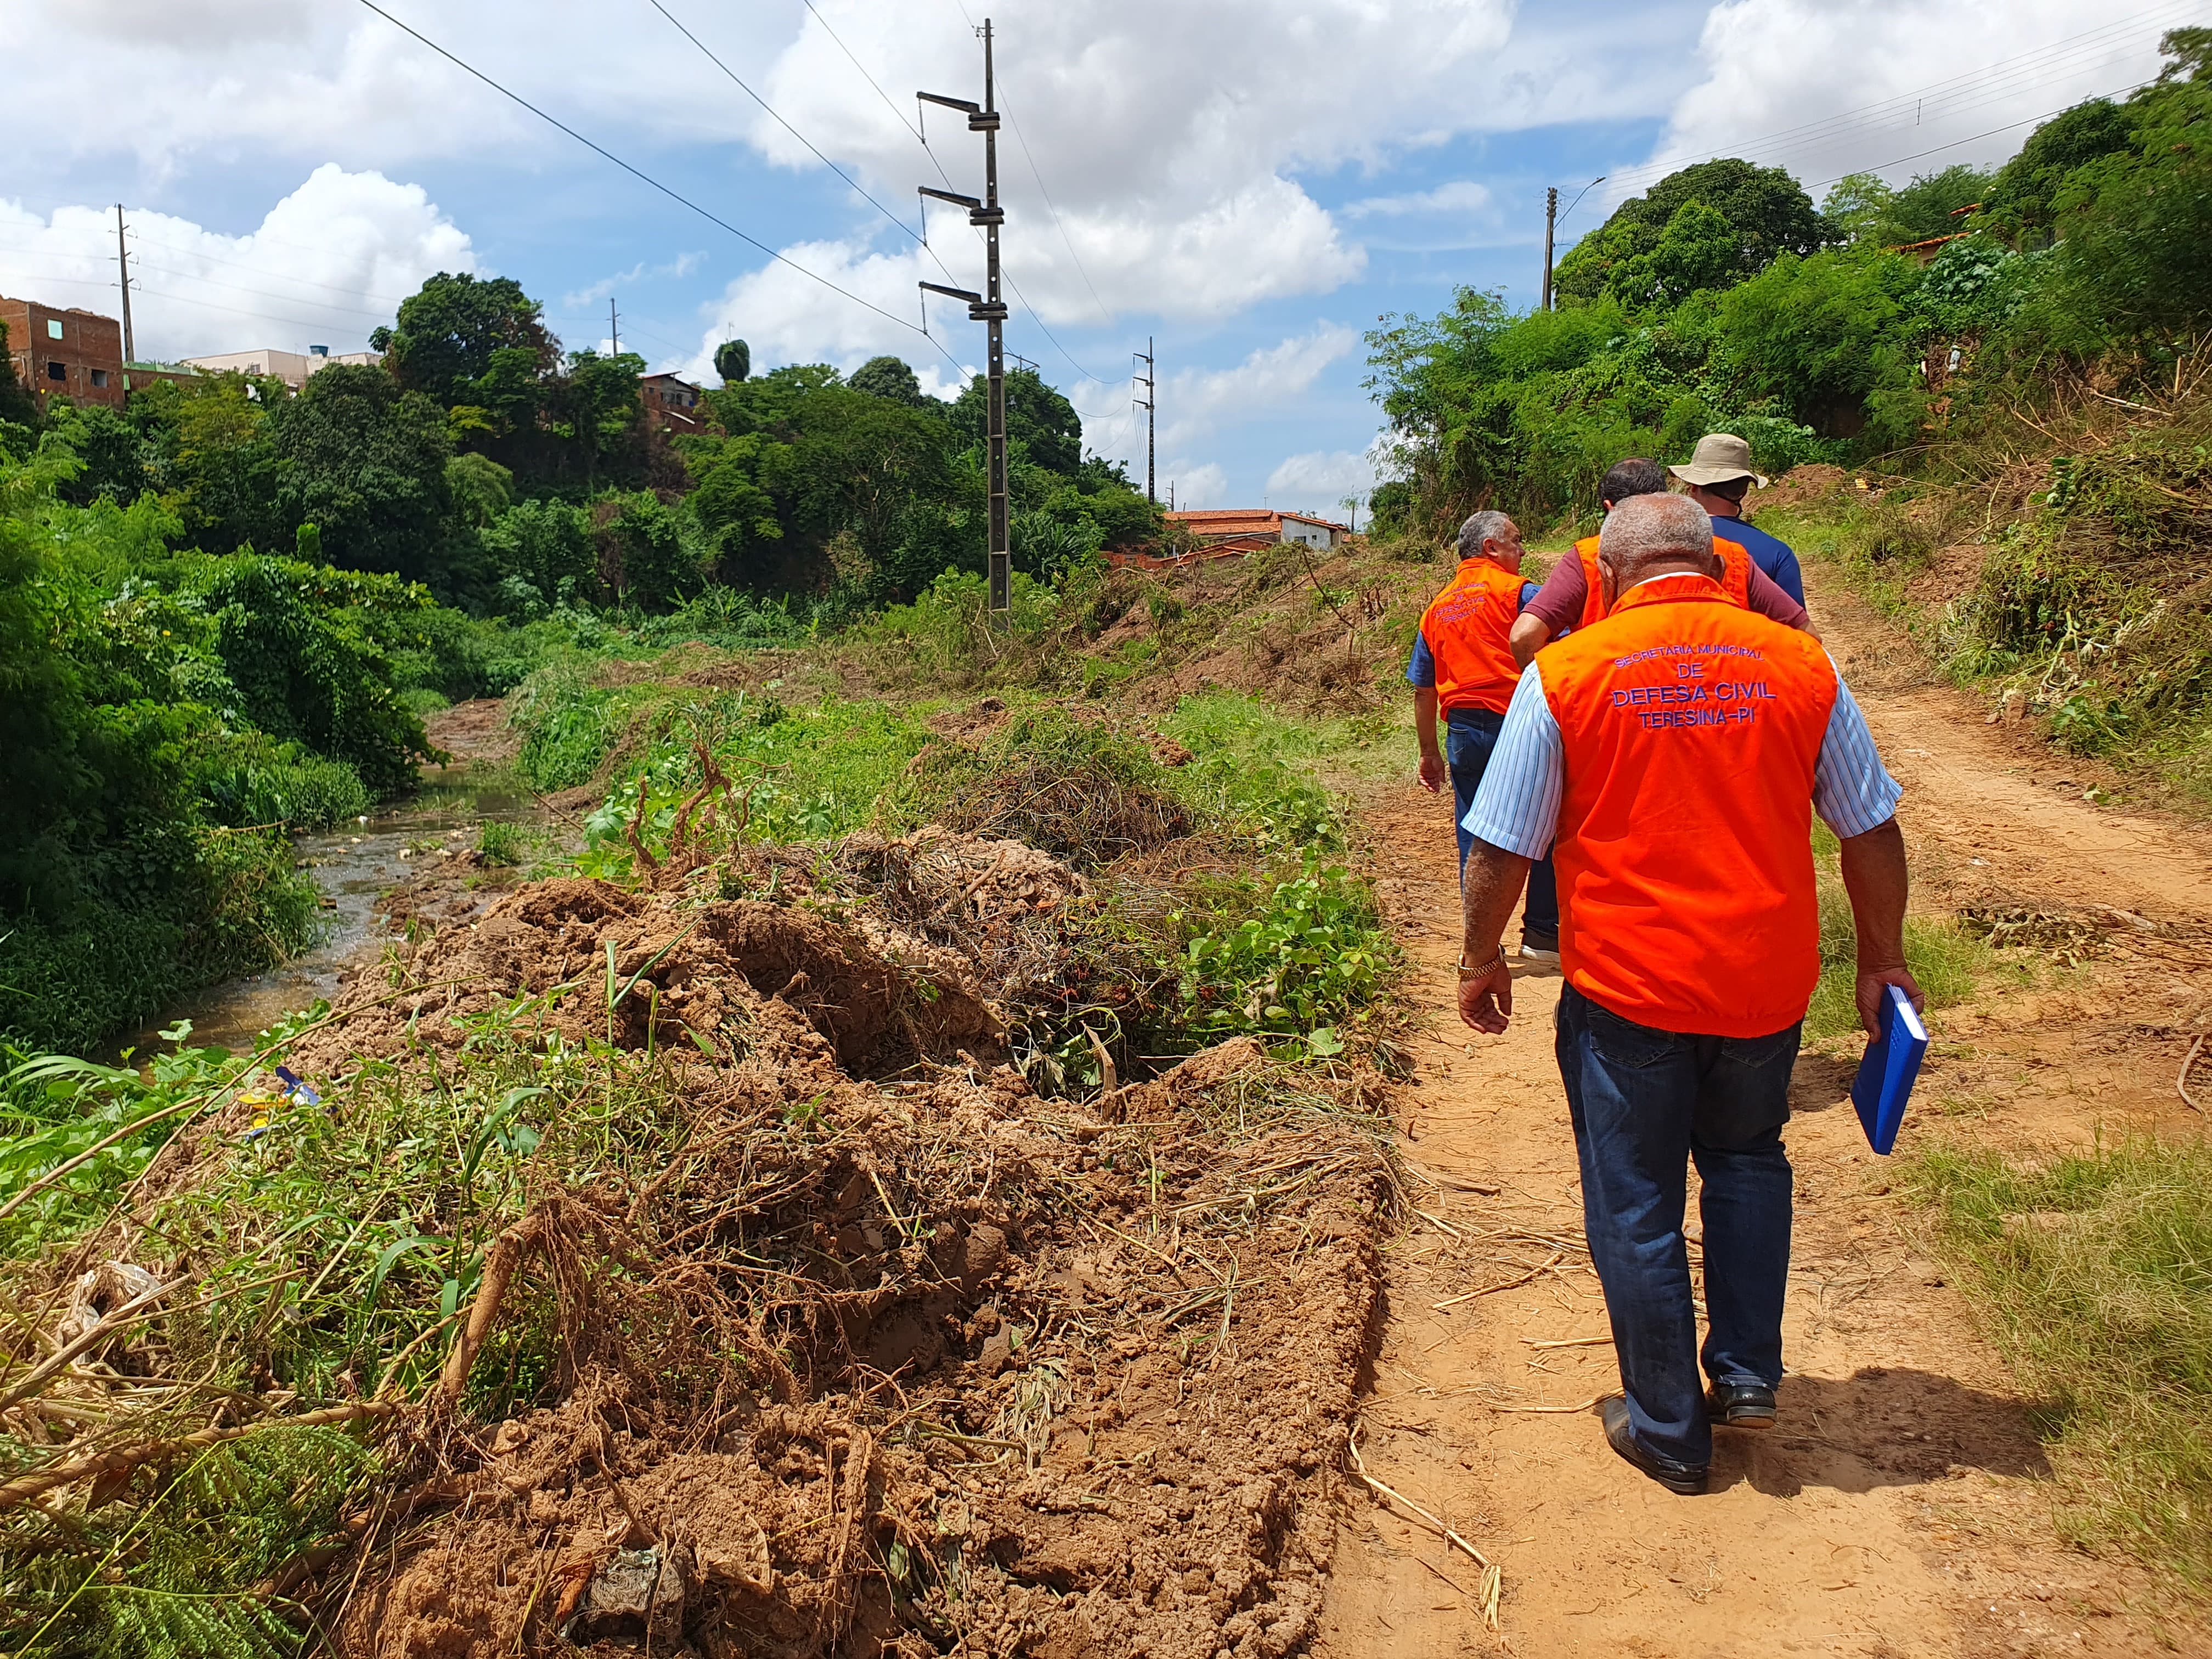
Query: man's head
(1489,535)
(1631,477)
(1718,474)
(1654,536)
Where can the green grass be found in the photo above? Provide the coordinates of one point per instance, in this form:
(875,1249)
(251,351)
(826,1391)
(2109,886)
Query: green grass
(1949,962)
(2094,1274)
(501,844)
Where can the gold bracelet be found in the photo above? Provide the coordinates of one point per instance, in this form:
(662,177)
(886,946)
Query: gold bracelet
(1495,962)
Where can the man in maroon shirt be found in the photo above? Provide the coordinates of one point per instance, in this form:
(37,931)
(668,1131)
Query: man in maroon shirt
(1558,604)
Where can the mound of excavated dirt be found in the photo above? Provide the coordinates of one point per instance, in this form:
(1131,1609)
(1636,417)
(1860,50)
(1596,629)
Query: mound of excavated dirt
(893,1355)
(1812,481)
(475,730)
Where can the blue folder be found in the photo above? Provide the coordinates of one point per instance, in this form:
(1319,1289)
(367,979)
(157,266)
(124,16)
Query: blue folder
(1886,1075)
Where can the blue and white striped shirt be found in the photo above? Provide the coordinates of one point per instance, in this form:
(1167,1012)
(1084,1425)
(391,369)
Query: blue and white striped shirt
(1518,807)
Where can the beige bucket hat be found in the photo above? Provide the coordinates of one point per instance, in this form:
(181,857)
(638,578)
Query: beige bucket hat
(1719,458)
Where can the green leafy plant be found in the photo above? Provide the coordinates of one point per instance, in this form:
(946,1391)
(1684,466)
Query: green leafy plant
(1308,953)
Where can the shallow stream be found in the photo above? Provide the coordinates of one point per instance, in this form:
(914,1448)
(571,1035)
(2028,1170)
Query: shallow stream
(355,866)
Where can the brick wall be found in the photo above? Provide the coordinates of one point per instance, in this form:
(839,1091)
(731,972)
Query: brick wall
(85,363)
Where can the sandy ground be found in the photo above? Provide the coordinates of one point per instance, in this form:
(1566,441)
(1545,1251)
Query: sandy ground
(1903,1505)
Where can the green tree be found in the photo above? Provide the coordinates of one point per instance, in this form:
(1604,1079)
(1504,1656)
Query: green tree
(538,554)
(2134,263)
(1864,212)
(481,489)
(302,646)
(891,378)
(733,360)
(366,462)
(16,405)
(1038,418)
(1826,337)
(2020,197)
(112,451)
(450,333)
(733,506)
(643,550)
(595,406)
(1697,249)
(1934,204)
(1769,213)
(221,476)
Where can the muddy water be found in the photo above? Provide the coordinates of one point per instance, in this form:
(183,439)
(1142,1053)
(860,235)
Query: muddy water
(355,866)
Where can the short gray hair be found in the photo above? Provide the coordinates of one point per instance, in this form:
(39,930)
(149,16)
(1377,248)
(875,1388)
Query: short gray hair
(1487,525)
(1645,528)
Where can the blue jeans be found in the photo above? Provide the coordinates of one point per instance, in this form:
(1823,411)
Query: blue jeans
(1469,736)
(1642,1101)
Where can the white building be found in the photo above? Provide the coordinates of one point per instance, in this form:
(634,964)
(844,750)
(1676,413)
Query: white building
(292,367)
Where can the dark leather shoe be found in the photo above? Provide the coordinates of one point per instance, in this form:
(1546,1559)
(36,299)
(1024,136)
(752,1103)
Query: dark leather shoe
(1741,1404)
(1687,1478)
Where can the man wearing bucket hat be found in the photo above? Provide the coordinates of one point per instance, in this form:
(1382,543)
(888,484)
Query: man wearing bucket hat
(1718,477)
(1571,596)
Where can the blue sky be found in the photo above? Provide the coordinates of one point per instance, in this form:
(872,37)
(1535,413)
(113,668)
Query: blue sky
(1251,183)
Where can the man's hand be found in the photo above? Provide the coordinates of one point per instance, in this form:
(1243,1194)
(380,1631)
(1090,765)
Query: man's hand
(1486,1004)
(1874,995)
(1874,877)
(1432,774)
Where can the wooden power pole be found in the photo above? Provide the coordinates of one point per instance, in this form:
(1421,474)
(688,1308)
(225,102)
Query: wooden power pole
(1150,404)
(614,330)
(1551,224)
(989,309)
(123,258)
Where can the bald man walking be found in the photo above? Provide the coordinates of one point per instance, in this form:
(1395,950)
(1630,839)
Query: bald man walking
(1671,756)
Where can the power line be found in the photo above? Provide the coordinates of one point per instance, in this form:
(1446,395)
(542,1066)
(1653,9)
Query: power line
(1991,81)
(922,236)
(781,122)
(869,78)
(1995,77)
(277,276)
(1068,242)
(921,139)
(644,177)
(1033,316)
(2026,121)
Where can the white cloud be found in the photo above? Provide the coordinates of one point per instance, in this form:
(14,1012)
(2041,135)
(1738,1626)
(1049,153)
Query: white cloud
(787,316)
(1194,402)
(1322,479)
(261,78)
(1844,85)
(681,266)
(327,264)
(1196,485)
(1460,196)
(1170,135)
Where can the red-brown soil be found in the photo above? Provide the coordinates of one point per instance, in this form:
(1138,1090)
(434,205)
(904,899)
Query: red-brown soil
(894,1355)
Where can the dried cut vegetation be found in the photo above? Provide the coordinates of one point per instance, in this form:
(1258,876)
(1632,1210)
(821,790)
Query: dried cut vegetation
(779,1313)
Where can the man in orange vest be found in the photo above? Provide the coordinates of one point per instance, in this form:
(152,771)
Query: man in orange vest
(1671,756)
(1571,597)
(1463,665)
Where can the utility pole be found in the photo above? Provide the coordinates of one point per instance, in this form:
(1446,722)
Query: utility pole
(1550,223)
(1149,404)
(123,258)
(987,308)
(614,333)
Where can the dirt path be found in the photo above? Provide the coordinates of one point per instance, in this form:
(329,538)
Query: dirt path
(1903,1506)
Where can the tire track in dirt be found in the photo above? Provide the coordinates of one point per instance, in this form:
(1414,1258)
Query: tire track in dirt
(1902,1506)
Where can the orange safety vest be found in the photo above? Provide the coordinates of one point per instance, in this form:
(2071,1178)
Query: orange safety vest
(1466,627)
(1690,728)
(1735,576)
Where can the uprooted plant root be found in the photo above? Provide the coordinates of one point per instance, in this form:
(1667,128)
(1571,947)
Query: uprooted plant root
(848,1341)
